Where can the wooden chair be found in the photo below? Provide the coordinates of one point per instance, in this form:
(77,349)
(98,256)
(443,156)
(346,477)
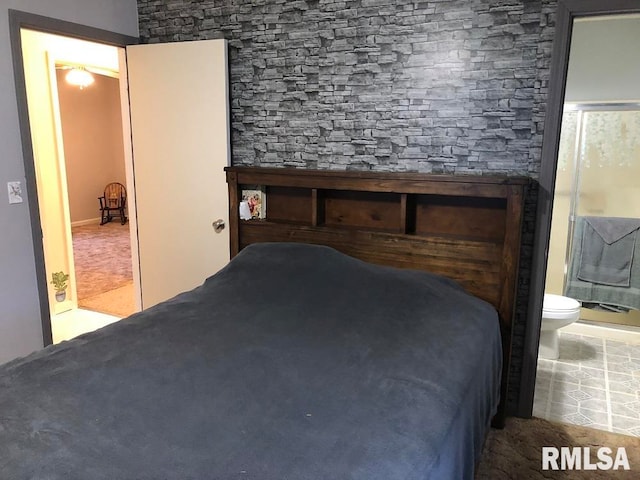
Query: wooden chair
(113,203)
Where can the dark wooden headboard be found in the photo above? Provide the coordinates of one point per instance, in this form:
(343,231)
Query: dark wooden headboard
(463,227)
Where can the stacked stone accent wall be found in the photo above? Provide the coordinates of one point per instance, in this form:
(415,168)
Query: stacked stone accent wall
(444,86)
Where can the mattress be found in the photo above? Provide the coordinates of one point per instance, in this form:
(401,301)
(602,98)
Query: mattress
(293,362)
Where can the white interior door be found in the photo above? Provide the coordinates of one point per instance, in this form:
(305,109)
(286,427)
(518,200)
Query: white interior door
(178,94)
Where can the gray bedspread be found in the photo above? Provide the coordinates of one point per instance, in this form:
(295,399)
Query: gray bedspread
(293,362)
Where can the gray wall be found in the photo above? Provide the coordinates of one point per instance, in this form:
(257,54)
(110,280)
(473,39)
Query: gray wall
(442,86)
(20,330)
(387,85)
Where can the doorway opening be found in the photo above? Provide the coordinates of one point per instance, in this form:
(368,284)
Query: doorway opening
(587,364)
(566,13)
(78,144)
(175,110)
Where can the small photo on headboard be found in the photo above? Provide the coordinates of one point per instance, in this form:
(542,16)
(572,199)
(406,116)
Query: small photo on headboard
(256,199)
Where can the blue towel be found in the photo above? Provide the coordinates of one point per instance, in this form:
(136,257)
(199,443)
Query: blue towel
(606,297)
(607,250)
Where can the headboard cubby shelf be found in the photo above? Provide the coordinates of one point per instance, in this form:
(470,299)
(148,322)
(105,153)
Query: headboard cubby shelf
(463,227)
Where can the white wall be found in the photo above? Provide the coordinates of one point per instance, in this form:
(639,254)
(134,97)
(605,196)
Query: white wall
(604,63)
(20,328)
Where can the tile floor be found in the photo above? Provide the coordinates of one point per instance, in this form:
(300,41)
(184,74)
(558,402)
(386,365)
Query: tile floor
(595,383)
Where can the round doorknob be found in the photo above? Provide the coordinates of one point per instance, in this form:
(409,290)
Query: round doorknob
(218,225)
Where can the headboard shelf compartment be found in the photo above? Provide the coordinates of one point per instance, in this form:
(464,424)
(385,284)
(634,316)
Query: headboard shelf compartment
(479,217)
(463,227)
(289,204)
(361,210)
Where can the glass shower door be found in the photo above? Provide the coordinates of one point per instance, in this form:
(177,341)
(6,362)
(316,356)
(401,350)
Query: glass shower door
(607,177)
(609,164)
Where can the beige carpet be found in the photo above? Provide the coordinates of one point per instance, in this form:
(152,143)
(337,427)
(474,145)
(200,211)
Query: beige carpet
(104,280)
(516,451)
(118,302)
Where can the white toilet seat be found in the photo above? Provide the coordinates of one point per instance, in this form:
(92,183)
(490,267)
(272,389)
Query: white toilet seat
(557,307)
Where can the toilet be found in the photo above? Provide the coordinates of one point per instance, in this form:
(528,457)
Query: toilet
(557,312)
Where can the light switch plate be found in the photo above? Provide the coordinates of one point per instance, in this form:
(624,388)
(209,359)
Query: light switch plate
(15,192)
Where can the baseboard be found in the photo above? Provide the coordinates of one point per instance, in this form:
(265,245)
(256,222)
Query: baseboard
(621,333)
(89,221)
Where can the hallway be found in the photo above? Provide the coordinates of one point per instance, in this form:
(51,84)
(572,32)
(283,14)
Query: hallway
(102,257)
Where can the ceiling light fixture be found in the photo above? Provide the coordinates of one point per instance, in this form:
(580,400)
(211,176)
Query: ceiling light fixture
(79,77)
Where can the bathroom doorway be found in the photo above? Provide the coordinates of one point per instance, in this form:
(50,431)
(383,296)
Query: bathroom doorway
(594,382)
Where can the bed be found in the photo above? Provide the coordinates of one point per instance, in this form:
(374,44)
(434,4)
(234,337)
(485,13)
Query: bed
(314,354)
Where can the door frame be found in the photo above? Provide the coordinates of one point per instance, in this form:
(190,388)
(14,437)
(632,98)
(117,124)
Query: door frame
(567,12)
(18,20)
